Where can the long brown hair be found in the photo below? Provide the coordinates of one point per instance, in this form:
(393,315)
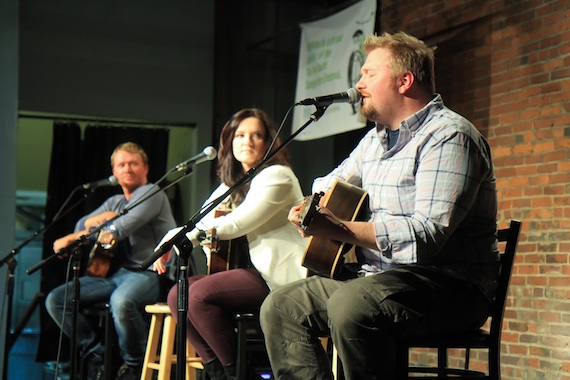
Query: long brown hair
(229,169)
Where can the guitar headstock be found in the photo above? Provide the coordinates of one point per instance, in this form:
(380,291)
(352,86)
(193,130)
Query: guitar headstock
(107,237)
(310,207)
(211,240)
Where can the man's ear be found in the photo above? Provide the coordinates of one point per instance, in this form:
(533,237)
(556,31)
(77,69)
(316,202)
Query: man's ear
(406,81)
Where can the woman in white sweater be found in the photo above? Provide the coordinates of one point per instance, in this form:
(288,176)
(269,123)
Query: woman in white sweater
(259,212)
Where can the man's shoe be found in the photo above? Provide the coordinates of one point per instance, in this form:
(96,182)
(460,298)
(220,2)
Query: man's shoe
(94,363)
(100,373)
(127,372)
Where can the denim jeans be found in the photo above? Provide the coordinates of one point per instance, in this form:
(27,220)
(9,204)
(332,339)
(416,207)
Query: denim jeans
(364,317)
(128,292)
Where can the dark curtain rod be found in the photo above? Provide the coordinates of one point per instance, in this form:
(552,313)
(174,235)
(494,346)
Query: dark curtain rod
(108,120)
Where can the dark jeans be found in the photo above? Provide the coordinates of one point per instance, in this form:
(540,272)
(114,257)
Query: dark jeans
(364,316)
(127,292)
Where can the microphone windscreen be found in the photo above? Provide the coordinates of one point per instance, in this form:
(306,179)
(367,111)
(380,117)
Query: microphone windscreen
(353,95)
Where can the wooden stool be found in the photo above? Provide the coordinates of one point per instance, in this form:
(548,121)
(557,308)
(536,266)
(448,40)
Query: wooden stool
(162,325)
(325,342)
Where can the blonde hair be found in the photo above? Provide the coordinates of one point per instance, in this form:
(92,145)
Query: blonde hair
(130,147)
(408,54)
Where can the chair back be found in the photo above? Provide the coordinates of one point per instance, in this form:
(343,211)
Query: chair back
(510,236)
(481,339)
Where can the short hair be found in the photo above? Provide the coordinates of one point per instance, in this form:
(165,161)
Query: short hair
(408,54)
(130,147)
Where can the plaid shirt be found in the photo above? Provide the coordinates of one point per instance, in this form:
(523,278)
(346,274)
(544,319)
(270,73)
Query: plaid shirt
(432,197)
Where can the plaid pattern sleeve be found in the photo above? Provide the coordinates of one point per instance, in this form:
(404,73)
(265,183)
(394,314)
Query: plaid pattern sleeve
(432,196)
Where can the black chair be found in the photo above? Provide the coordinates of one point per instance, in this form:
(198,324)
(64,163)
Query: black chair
(489,339)
(102,312)
(251,349)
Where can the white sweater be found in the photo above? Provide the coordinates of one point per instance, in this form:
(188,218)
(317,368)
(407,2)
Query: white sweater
(275,246)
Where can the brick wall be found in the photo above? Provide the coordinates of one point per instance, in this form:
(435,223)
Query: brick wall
(505,65)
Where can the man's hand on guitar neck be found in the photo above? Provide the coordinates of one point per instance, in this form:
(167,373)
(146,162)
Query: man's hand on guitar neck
(324,223)
(94,221)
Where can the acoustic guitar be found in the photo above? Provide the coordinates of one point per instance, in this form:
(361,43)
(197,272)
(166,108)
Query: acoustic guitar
(225,254)
(102,254)
(325,256)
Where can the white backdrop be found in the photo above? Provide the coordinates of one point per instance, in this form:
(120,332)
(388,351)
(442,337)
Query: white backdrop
(330,58)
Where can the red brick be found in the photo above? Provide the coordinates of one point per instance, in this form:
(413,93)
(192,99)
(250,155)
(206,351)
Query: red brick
(510,74)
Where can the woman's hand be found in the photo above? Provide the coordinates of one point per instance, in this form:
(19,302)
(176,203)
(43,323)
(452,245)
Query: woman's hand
(159,266)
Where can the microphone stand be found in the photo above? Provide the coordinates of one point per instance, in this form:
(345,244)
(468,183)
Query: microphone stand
(181,241)
(12,263)
(76,254)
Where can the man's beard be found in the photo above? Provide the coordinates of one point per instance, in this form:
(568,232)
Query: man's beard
(369,112)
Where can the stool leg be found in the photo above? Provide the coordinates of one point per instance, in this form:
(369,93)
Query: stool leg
(335,362)
(152,345)
(241,362)
(193,362)
(190,353)
(168,334)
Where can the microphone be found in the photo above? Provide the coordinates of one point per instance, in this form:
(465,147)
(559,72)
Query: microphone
(350,96)
(208,154)
(111,181)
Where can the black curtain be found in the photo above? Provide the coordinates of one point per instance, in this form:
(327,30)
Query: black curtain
(64,170)
(75,161)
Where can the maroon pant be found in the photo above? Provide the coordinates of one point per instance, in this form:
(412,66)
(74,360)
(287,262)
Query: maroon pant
(212,302)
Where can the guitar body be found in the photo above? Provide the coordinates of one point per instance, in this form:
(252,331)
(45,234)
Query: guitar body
(323,255)
(226,254)
(102,260)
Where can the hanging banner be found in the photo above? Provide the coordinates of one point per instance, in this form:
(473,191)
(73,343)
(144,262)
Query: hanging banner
(330,58)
